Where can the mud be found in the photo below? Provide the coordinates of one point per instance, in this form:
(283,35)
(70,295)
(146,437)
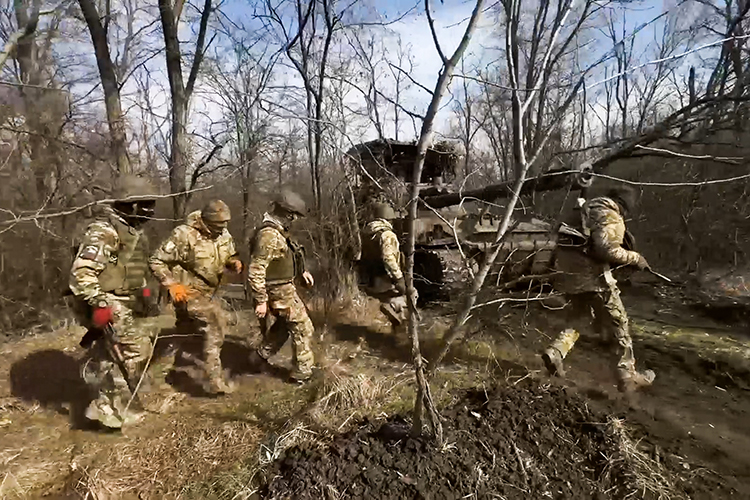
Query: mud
(514,441)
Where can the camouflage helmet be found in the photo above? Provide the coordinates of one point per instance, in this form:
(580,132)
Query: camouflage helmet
(129,188)
(382,210)
(623,195)
(216,211)
(291,202)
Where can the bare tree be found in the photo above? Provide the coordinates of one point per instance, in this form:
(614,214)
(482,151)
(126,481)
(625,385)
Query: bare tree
(181,92)
(424,396)
(110,85)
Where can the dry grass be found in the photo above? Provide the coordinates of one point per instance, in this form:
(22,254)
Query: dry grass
(645,477)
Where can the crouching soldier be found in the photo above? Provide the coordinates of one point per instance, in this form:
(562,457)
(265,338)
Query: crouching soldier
(587,282)
(275,263)
(190,264)
(381,264)
(108,273)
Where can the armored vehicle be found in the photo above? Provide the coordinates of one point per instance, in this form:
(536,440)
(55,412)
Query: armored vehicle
(454,228)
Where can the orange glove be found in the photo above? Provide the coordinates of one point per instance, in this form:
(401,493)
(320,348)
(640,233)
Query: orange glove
(178,292)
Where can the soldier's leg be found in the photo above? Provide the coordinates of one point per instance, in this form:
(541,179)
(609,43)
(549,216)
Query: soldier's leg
(211,322)
(610,309)
(112,406)
(274,332)
(301,330)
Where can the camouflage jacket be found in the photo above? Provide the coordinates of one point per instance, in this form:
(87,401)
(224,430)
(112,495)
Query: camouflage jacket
(272,247)
(111,259)
(191,257)
(589,270)
(379,235)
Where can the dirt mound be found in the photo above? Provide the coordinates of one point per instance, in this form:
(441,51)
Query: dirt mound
(523,441)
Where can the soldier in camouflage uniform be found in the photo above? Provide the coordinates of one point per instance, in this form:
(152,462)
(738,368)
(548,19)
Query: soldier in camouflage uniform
(587,281)
(190,264)
(275,263)
(108,273)
(381,261)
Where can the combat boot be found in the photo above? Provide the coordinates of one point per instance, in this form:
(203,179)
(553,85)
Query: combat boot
(219,386)
(553,360)
(629,382)
(259,364)
(387,309)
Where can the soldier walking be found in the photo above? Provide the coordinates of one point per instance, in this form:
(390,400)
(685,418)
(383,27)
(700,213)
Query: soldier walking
(381,263)
(275,263)
(108,273)
(190,264)
(587,282)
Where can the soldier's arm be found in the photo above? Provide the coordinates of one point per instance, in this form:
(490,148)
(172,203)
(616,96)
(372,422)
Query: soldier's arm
(269,245)
(95,251)
(234,255)
(172,251)
(389,249)
(607,244)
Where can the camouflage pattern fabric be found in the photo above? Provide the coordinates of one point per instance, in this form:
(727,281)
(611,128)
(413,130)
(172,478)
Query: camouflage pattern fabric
(98,250)
(192,258)
(587,281)
(285,307)
(290,318)
(270,245)
(382,231)
(609,315)
(204,319)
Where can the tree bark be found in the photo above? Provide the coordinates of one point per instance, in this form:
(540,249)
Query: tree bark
(110,87)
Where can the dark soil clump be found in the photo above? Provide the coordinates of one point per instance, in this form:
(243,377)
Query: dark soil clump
(513,442)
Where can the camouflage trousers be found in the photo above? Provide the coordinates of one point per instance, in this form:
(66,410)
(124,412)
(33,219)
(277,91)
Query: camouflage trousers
(609,314)
(393,304)
(102,374)
(203,321)
(287,316)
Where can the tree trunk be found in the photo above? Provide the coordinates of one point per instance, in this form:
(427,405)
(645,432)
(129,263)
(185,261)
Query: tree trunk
(110,87)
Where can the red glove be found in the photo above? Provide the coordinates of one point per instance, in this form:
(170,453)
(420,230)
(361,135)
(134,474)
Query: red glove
(102,316)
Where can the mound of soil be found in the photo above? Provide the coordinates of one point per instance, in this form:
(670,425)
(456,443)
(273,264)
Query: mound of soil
(524,441)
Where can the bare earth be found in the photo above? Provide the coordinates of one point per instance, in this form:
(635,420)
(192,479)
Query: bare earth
(528,436)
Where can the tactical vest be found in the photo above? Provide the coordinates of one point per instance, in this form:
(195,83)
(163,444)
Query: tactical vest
(287,267)
(128,272)
(372,253)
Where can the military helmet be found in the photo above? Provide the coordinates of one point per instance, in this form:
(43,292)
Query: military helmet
(382,210)
(216,211)
(130,188)
(623,195)
(291,202)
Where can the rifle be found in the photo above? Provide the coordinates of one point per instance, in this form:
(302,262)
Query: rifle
(109,336)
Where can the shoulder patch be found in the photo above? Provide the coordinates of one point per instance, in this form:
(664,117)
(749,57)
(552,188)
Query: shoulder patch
(89,252)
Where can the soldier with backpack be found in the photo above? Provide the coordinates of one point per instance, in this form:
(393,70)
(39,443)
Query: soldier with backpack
(585,277)
(108,273)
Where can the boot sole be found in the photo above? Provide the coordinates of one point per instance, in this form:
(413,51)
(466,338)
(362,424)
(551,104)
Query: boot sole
(553,369)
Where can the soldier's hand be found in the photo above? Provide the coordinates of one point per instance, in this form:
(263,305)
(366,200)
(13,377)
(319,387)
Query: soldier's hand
(178,292)
(101,316)
(400,286)
(642,264)
(235,265)
(261,309)
(307,277)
